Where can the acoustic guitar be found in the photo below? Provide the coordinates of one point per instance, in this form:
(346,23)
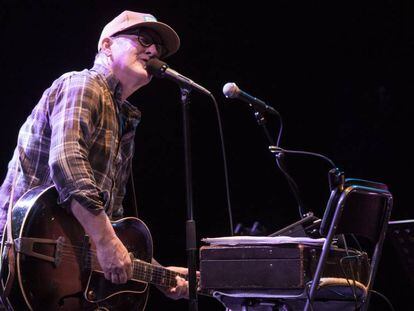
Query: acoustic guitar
(56,263)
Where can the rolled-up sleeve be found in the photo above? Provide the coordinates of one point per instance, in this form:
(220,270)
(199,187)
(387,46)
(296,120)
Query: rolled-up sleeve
(73,120)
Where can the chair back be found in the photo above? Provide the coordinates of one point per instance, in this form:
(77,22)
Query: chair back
(361,208)
(364,207)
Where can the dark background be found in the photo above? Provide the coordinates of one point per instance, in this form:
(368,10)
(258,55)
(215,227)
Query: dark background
(339,73)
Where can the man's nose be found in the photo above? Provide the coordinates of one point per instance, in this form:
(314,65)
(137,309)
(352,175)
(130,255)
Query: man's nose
(152,50)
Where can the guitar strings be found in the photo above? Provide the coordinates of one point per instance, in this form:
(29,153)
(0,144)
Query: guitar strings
(160,278)
(148,271)
(76,251)
(79,251)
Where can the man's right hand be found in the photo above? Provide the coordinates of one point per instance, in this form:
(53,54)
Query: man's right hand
(112,255)
(114,260)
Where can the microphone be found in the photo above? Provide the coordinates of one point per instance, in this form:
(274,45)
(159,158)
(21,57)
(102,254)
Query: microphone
(160,69)
(231,90)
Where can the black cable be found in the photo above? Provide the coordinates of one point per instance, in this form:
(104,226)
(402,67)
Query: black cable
(133,189)
(341,264)
(356,242)
(226,177)
(279,150)
(350,268)
(291,182)
(385,298)
(160,69)
(293,186)
(308,296)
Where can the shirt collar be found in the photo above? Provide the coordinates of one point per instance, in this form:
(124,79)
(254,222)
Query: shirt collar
(113,82)
(115,87)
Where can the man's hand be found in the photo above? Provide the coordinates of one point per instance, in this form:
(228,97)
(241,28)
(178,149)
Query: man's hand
(112,255)
(181,290)
(114,260)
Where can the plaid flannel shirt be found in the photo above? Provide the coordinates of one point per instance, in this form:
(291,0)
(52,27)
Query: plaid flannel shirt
(80,138)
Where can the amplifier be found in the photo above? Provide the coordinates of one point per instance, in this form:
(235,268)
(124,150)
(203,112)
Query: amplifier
(268,267)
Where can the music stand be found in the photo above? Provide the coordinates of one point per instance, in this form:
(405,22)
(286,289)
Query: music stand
(301,228)
(401,234)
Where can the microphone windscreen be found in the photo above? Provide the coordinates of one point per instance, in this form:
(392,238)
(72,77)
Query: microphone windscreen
(156,67)
(230,90)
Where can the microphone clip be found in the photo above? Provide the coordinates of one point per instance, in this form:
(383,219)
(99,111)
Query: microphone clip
(162,70)
(261,120)
(277,151)
(336,178)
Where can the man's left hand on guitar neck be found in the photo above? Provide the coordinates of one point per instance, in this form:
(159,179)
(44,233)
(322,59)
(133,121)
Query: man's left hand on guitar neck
(181,290)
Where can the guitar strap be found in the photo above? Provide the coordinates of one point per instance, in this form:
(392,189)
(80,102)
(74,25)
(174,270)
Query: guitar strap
(9,247)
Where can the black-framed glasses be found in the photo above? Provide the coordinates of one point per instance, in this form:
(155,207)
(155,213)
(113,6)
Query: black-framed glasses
(146,38)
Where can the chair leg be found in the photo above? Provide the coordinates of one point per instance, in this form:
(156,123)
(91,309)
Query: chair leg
(322,259)
(365,305)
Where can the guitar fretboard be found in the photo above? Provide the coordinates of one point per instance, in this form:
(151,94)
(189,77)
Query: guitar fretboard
(157,275)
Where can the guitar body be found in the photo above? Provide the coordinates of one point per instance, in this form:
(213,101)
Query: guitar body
(54,269)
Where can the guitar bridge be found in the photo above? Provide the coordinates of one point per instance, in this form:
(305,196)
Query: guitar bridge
(26,246)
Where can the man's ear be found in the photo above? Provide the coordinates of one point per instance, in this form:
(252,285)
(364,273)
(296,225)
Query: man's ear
(106,46)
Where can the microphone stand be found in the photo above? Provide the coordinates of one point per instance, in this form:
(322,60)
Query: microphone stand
(279,160)
(191,245)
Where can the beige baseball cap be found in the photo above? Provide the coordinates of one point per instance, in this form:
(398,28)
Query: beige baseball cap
(128,20)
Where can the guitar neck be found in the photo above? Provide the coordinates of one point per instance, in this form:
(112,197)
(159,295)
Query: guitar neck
(157,275)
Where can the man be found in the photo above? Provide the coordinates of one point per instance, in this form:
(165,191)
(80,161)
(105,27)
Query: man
(80,137)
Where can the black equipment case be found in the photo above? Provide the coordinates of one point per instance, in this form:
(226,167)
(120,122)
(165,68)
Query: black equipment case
(274,267)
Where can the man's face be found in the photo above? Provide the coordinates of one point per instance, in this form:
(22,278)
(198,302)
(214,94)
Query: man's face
(130,53)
